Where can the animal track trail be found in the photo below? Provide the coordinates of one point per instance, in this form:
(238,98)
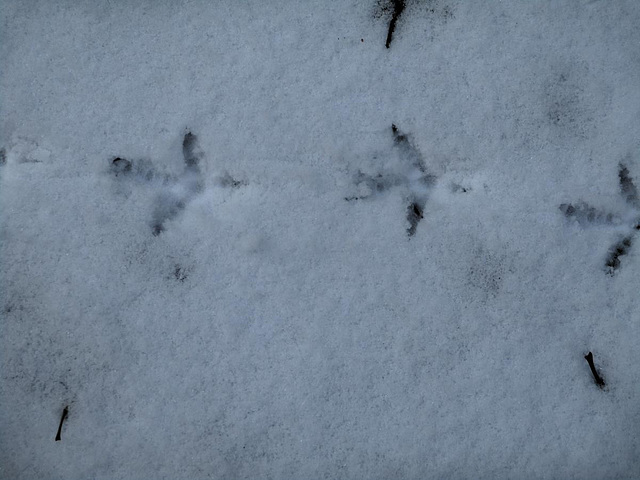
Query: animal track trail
(412,177)
(587,215)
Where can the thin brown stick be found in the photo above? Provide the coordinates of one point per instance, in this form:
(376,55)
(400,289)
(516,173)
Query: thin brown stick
(64,415)
(597,378)
(398,7)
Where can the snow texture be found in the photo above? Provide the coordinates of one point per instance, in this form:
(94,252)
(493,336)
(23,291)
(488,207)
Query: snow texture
(241,240)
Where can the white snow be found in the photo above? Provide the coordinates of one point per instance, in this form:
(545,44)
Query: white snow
(284,324)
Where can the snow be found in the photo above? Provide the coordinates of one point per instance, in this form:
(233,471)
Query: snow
(283,323)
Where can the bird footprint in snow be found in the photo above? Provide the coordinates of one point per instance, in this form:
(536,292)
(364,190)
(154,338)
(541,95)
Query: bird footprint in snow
(585,214)
(175,192)
(412,176)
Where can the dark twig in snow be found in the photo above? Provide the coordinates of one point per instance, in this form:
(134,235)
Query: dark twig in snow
(597,378)
(64,415)
(398,7)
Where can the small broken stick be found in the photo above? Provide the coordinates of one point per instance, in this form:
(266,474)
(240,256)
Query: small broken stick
(597,378)
(398,8)
(64,415)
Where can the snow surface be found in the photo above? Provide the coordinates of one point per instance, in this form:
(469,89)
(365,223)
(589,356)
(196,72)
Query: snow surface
(283,324)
